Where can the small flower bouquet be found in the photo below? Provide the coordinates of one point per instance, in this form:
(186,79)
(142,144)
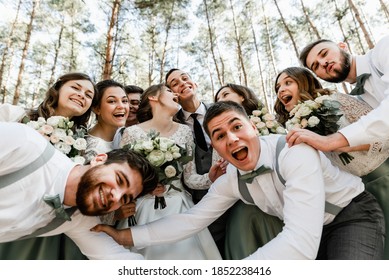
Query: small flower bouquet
(166,156)
(266,123)
(58,130)
(320,116)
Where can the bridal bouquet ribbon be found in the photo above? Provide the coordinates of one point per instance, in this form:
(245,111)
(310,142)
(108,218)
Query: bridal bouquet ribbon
(59,131)
(166,156)
(320,116)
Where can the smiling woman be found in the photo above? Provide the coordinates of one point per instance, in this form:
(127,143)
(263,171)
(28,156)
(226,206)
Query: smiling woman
(70,96)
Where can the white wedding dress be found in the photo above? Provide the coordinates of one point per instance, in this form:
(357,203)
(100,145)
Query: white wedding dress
(198,247)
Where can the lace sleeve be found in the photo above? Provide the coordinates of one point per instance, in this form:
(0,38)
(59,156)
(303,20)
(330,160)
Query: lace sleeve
(363,162)
(128,136)
(191,178)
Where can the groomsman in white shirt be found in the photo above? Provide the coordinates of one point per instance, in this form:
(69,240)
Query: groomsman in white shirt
(44,193)
(299,185)
(369,73)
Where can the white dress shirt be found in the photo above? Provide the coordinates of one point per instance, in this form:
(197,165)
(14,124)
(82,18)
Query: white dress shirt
(22,209)
(310,181)
(375,125)
(201,110)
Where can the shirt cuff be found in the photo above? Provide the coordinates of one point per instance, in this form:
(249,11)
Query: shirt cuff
(140,236)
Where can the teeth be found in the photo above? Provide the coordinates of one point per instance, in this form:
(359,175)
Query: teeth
(102,197)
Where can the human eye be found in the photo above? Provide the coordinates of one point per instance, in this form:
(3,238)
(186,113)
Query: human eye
(238,126)
(125,100)
(89,95)
(219,136)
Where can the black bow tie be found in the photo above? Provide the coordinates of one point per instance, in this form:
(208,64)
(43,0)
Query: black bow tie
(249,177)
(358,89)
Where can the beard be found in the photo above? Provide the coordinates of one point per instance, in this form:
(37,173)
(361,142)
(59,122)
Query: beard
(345,66)
(86,187)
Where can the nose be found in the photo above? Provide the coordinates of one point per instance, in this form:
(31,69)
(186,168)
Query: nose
(231,138)
(323,62)
(116,195)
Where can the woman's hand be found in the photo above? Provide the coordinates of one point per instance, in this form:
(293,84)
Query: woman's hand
(125,211)
(121,236)
(159,190)
(218,169)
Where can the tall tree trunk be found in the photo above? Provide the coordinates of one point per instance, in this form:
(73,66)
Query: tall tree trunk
(358,36)
(7,47)
(287,29)
(108,63)
(238,45)
(308,19)
(269,44)
(164,49)
(339,14)
(258,62)
(35,4)
(211,42)
(56,51)
(361,24)
(385,9)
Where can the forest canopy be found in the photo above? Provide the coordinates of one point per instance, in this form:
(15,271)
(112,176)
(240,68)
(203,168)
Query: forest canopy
(137,42)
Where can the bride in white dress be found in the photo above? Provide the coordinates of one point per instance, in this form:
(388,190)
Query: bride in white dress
(156,111)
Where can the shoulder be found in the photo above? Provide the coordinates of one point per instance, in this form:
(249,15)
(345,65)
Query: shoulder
(11,113)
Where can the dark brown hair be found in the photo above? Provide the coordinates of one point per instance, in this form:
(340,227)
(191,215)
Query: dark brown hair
(308,85)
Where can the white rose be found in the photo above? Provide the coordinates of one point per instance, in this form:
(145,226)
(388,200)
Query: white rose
(264,110)
(54,120)
(175,149)
(260,125)
(280,130)
(35,125)
(148,145)
(46,129)
(156,158)
(41,121)
(54,139)
(176,155)
(80,144)
(265,131)
(59,132)
(270,124)
(304,111)
(170,171)
(304,123)
(79,159)
(320,99)
(63,147)
(69,140)
(165,143)
(255,119)
(312,104)
(138,147)
(313,121)
(257,113)
(168,156)
(268,117)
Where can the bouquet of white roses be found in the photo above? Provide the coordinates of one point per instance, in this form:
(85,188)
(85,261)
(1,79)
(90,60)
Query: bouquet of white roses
(58,130)
(166,156)
(320,116)
(265,122)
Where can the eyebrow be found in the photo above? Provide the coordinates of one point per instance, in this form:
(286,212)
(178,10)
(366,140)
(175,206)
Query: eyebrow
(125,178)
(87,90)
(182,74)
(229,122)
